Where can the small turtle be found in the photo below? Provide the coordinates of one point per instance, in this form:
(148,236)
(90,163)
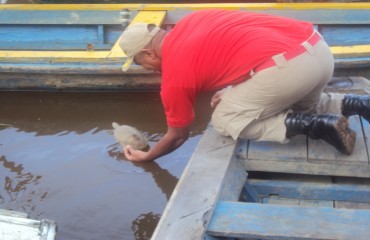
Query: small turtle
(127,135)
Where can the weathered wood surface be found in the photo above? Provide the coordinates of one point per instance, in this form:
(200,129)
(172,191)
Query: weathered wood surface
(211,173)
(344,26)
(264,221)
(359,193)
(17,226)
(80,82)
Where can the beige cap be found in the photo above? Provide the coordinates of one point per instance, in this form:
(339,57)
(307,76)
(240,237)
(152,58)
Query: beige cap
(134,39)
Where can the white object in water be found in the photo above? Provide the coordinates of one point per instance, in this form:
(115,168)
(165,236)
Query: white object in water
(127,135)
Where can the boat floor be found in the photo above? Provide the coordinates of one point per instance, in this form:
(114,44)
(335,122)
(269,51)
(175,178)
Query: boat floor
(305,156)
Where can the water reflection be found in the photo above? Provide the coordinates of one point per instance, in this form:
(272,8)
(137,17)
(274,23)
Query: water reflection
(162,177)
(16,186)
(144,226)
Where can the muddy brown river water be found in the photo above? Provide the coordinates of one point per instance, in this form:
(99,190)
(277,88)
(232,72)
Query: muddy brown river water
(59,160)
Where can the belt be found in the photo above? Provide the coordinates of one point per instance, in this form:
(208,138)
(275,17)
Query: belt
(315,38)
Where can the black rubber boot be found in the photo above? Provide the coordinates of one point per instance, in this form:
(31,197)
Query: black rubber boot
(333,129)
(356,104)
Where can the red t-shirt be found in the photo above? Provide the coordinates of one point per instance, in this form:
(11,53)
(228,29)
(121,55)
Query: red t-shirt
(211,49)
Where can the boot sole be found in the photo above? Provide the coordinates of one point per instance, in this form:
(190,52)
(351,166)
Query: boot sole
(347,135)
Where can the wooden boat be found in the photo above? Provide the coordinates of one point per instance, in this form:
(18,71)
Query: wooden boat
(261,190)
(74,46)
(18,226)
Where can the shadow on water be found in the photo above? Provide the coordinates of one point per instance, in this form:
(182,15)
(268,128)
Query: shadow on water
(59,160)
(162,177)
(144,225)
(16,185)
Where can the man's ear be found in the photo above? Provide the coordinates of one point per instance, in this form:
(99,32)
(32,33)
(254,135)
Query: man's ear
(149,52)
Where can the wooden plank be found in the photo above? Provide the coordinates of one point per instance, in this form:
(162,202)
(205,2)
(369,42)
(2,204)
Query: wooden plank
(346,170)
(234,181)
(351,51)
(189,209)
(57,56)
(297,202)
(323,14)
(58,37)
(320,151)
(11,213)
(18,227)
(295,150)
(352,181)
(300,178)
(345,180)
(83,57)
(345,34)
(250,194)
(353,13)
(352,66)
(250,220)
(333,14)
(53,17)
(155,17)
(312,191)
(74,15)
(115,54)
(351,205)
(92,81)
(89,68)
(196,6)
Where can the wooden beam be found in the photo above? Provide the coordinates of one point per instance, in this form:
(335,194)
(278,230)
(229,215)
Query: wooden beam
(265,221)
(345,170)
(116,54)
(351,51)
(191,205)
(197,6)
(313,190)
(55,56)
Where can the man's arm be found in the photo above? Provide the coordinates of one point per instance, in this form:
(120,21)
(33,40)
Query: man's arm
(173,139)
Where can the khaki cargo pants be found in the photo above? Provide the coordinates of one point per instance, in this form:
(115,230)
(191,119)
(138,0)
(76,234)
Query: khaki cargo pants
(256,109)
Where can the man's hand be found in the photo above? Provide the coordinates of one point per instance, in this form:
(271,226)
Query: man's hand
(135,155)
(216,99)
(173,139)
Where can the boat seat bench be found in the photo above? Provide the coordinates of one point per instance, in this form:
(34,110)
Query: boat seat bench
(268,221)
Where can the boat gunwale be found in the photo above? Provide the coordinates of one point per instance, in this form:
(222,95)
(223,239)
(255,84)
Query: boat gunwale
(179,6)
